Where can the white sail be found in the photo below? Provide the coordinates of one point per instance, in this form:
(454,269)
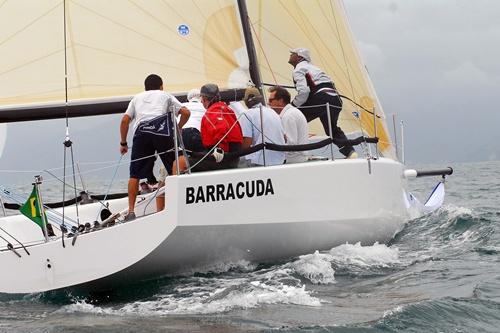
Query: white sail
(112,45)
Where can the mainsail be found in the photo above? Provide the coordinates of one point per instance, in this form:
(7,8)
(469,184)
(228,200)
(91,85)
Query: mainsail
(111,46)
(107,48)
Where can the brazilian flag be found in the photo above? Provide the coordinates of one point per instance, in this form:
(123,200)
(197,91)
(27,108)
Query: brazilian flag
(31,208)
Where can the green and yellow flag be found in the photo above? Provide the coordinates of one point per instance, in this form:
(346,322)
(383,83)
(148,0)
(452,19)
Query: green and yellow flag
(31,208)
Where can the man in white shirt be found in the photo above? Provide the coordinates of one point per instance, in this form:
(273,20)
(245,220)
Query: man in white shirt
(153,112)
(252,135)
(191,135)
(293,121)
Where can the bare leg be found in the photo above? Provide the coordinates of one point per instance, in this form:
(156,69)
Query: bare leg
(182,165)
(160,200)
(133,185)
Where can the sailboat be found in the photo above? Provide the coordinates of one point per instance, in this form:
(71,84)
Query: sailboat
(84,57)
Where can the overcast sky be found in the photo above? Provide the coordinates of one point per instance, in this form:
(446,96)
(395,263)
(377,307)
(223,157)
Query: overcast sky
(434,63)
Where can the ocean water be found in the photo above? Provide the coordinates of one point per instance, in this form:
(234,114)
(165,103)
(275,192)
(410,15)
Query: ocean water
(441,273)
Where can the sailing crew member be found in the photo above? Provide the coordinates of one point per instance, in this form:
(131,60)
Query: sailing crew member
(252,130)
(219,129)
(293,121)
(314,90)
(191,135)
(153,112)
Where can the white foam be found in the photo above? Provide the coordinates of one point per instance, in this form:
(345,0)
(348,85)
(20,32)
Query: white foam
(316,267)
(215,295)
(378,255)
(276,285)
(467,236)
(392,312)
(454,212)
(223,267)
(82,306)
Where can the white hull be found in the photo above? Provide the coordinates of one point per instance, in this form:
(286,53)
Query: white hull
(308,207)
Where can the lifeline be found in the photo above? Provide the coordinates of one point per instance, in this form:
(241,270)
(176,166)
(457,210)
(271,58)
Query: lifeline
(220,192)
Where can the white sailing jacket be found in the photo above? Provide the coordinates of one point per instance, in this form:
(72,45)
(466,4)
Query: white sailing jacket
(307,77)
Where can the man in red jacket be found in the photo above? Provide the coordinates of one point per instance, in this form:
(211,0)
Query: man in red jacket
(219,128)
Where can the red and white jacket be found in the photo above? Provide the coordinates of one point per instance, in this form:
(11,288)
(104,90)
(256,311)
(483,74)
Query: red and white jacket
(220,122)
(310,79)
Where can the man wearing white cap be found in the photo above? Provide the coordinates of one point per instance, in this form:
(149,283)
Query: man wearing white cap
(191,135)
(314,90)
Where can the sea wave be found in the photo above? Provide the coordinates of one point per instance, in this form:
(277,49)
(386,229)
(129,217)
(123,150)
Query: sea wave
(346,259)
(445,233)
(443,315)
(216,297)
(279,284)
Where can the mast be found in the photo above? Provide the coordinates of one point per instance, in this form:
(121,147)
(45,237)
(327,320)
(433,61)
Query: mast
(252,55)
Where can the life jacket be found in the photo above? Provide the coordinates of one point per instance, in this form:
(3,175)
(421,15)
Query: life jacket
(217,121)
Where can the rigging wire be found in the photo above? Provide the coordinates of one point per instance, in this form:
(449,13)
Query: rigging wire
(109,186)
(343,52)
(81,178)
(74,186)
(67,121)
(64,187)
(67,142)
(263,53)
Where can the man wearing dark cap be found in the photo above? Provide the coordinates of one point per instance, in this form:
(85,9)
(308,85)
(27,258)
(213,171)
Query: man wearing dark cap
(314,90)
(153,112)
(219,129)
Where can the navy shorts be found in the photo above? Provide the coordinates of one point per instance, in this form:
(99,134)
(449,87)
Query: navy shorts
(191,138)
(147,144)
